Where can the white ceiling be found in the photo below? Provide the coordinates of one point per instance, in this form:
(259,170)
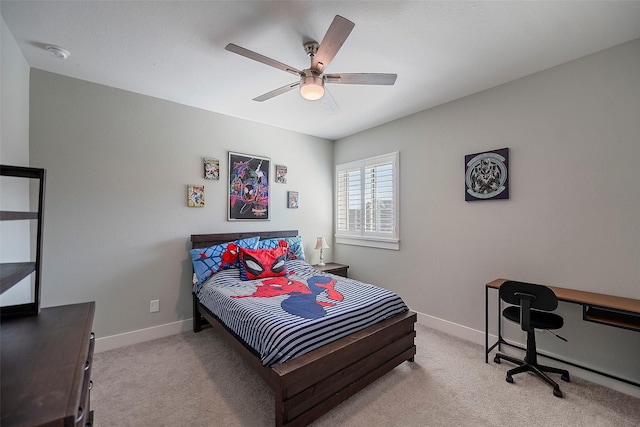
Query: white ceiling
(441,51)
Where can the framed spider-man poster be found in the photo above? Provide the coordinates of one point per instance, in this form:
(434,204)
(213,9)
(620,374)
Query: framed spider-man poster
(248,187)
(487,175)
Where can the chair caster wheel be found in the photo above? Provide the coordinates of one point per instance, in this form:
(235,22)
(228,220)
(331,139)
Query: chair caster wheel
(565,377)
(497,359)
(557,392)
(509,379)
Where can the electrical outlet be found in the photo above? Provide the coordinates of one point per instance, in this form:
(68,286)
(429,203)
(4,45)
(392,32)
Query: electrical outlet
(154,305)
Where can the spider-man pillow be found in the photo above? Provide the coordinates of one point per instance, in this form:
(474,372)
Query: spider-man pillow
(296,251)
(207,261)
(262,263)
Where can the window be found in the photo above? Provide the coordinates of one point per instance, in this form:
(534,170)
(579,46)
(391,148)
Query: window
(367,202)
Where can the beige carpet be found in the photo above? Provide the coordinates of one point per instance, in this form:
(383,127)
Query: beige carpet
(197,380)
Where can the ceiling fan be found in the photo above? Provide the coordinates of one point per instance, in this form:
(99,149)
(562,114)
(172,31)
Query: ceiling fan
(312,80)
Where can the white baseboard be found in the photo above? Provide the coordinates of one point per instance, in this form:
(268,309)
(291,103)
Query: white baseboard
(141,335)
(455,329)
(477,337)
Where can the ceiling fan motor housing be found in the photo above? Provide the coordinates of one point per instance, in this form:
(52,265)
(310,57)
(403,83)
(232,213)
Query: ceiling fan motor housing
(311,48)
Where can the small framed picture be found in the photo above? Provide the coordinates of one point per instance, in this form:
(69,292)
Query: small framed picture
(293,199)
(195,196)
(281,174)
(211,168)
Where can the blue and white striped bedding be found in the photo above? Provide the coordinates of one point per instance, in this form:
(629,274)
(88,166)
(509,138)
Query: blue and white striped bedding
(280,326)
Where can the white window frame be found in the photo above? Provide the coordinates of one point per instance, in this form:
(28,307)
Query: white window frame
(388,240)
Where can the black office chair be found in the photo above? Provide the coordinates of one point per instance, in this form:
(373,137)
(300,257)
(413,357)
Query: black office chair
(528,300)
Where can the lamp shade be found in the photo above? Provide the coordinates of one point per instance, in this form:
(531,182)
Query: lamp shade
(321,243)
(312,88)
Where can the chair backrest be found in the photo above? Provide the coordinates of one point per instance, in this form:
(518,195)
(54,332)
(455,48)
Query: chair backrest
(542,297)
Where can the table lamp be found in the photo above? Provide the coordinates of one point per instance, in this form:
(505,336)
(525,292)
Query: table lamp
(321,244)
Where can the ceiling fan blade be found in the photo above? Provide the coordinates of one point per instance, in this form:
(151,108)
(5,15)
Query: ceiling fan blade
(276,92)
(261,58)
(361,78)
(328,102)
(333,40)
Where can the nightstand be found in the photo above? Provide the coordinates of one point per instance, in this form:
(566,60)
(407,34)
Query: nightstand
(333,268)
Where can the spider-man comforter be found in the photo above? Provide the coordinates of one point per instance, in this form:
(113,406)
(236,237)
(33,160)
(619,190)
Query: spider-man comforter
(284,317)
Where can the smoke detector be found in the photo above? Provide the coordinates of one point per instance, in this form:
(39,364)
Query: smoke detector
(58,52)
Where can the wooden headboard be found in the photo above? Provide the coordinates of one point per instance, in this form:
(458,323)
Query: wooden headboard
(206,240)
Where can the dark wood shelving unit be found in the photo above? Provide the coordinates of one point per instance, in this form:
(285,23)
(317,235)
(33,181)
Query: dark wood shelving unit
(46,354)
(14,272)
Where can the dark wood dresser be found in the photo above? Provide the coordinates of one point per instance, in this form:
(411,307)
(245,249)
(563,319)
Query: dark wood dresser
(45,367)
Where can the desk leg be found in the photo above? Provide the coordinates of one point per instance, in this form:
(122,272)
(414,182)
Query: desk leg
(486,324)
(500,341)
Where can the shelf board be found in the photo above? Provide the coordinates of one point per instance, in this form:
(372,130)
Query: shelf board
(22,172)
(13,272)
(617,318)
(14,215)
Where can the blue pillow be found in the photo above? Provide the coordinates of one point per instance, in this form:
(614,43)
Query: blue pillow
(296,251)
(207,261)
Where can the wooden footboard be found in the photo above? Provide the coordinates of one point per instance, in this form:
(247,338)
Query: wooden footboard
(312,384)
(308,386)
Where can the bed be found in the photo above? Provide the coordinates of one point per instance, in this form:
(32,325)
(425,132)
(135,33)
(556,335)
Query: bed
(307,386)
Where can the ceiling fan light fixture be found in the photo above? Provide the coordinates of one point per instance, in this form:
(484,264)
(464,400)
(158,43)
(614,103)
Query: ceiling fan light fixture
(312,87)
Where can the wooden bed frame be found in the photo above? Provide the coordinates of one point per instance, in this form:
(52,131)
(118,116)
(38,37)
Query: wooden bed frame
(308,386)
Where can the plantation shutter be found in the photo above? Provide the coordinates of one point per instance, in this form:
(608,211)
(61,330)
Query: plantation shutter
(379,197)
(349,199)
(367,202)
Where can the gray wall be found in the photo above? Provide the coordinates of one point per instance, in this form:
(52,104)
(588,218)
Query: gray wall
(117,226)
(14,150)
(572,219)
(15,102)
